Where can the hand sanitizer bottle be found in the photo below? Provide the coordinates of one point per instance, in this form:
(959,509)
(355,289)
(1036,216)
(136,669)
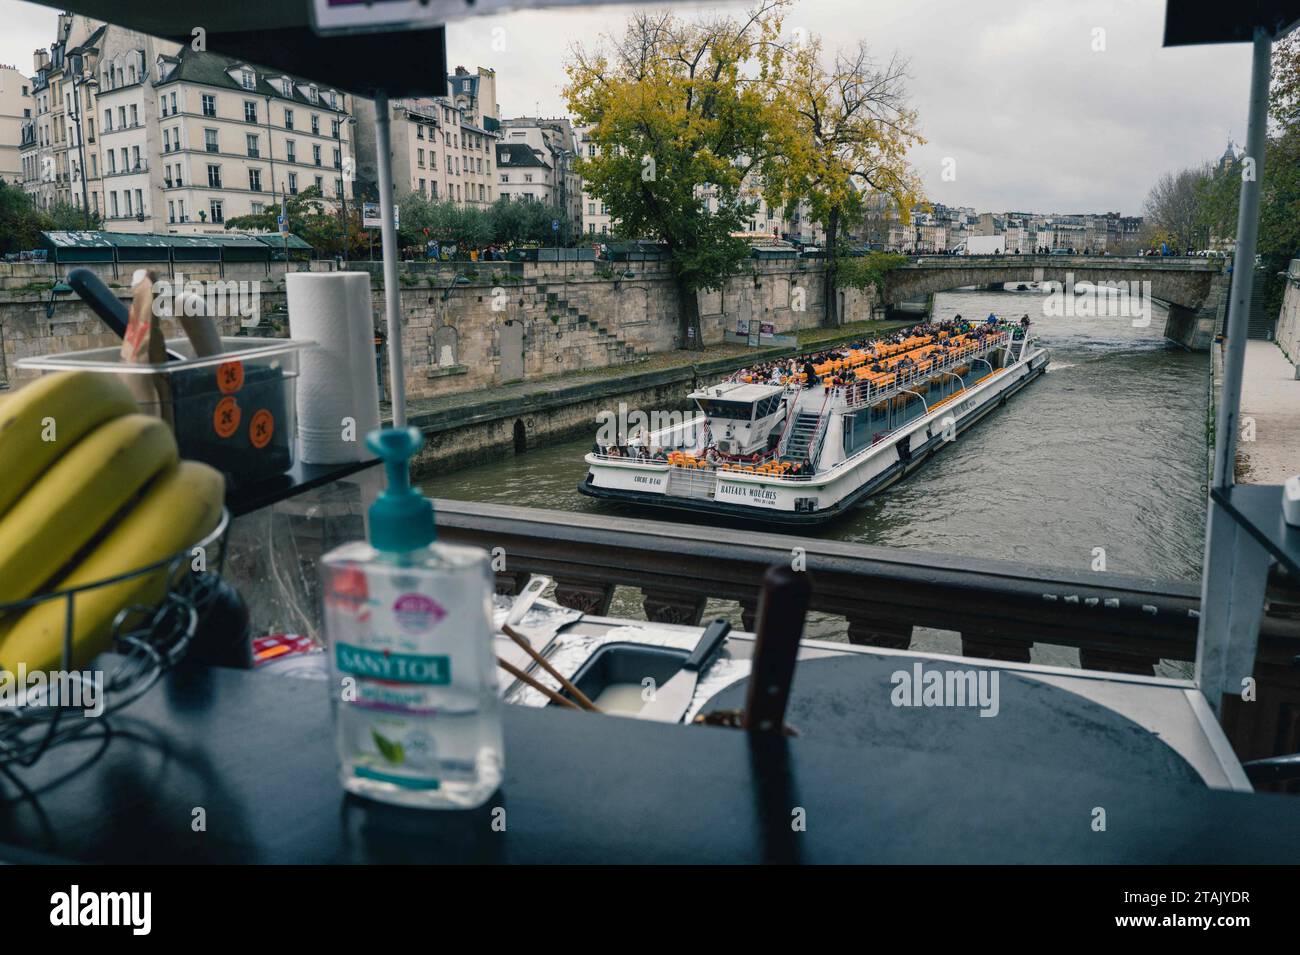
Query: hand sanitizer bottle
(408,627)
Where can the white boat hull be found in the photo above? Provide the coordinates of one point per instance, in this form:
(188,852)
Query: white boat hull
(823,496)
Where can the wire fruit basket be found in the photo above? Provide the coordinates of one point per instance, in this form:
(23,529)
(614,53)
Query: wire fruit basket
(151,639)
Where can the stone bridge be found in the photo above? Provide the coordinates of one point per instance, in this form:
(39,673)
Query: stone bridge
(1194,290)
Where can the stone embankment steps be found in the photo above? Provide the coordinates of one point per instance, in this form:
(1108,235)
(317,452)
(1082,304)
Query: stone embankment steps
(573,319)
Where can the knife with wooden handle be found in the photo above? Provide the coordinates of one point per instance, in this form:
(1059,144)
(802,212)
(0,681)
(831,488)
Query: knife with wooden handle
(782,606)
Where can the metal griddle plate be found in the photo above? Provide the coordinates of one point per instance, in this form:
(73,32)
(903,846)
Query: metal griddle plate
(846,699)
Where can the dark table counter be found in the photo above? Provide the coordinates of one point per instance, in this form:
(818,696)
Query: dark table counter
(254,751)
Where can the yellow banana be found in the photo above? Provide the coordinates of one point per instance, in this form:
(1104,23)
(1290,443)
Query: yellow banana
(43,419)
(176,511)
(75,499)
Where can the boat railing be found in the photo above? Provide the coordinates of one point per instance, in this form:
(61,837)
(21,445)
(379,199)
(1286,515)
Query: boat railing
(856,395)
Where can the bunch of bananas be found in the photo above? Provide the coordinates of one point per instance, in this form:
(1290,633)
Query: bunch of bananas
(89,489)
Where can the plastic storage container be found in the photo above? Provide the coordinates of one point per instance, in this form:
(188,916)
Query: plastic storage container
(234,411)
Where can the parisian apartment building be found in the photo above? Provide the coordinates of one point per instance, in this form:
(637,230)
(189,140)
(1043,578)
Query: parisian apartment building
(16,110)
(444,147)
(171,139)
(536,162)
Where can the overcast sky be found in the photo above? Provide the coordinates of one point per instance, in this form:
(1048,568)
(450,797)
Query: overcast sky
(1011,90)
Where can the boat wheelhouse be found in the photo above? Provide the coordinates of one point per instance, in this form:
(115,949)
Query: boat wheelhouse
(795,447)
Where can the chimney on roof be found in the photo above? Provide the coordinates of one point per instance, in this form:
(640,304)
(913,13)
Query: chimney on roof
(461,71)
(41,59)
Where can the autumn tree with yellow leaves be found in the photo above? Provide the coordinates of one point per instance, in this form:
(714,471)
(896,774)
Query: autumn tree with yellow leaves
(846,148)
(682,111)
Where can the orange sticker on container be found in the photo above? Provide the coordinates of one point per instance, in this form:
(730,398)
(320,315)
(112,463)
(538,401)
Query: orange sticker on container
(230,376)
(261,428)
(225,419)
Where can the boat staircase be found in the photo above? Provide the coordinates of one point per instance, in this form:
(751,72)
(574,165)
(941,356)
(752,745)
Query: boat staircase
(802,434)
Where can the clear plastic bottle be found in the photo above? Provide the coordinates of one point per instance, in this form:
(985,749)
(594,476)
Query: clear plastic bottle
(408,622)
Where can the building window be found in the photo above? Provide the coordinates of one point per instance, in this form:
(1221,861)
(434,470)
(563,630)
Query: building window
(293,184)
(180,208)
(421,187)
(591,208)
(255,180)
(126,197)
(108,120)
(135,116)
(334,129)
(315,125)
(320,184)
(163,103)
(315,154)
(481,192)
(252,145)
(112,202)
(171,210)
(528,177)
(290,151)
(218,213)
(250,111)
(139,201)
(433,189)
(174,109)
(247,78)
(209,104)
(338,159)
(112,162)
(505,177)
(214,177)
(419,158)
(419,131)
(258,208)
(210,141)
(167,142)
(288,119)
(135,158)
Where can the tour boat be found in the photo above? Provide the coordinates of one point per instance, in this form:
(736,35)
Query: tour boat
(790,450)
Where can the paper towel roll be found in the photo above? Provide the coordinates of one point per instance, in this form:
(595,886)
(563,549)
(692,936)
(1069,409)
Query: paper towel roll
(336,379)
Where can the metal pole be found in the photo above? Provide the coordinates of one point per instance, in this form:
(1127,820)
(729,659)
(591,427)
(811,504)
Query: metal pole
(81,151)
(1235,566)
(1243,267)
(388,243)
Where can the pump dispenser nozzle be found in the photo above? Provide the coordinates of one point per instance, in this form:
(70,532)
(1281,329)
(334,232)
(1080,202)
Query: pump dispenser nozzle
(401,519)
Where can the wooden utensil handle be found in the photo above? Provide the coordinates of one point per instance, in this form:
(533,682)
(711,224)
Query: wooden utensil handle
(782,606)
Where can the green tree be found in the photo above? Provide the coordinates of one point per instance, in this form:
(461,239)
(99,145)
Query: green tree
(21,222)
(848,144)
(65,217)
(681,113)
(309,219)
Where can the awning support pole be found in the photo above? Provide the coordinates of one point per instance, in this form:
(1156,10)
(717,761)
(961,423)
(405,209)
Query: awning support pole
(388,242)
(1235,565)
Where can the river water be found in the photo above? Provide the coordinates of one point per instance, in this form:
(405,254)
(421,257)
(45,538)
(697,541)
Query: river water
(1102,458)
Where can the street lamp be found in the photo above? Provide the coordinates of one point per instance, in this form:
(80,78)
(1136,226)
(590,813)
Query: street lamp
(79,80)
(343,191)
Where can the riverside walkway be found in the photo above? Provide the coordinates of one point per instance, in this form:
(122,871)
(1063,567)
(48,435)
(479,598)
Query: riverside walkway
(1270,396)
